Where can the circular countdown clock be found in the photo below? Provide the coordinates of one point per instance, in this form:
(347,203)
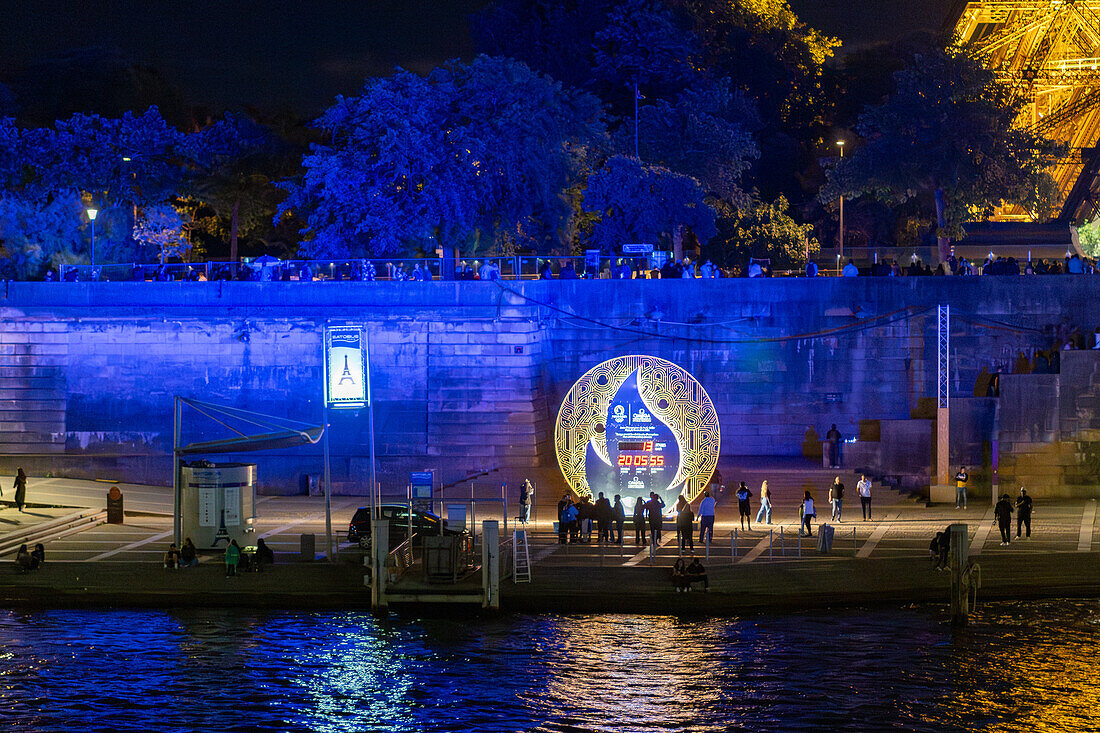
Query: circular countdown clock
(636,424)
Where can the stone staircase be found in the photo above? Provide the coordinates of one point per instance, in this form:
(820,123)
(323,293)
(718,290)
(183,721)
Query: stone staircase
(32,394)
(1065,461)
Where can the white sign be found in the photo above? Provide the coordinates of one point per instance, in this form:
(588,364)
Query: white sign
(232,506)
(208,507)
(345,367)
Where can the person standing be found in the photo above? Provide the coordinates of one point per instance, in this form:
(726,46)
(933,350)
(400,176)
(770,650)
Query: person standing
(526,496)
(639,521)
(808,513)
(1002,514)
(960,487)
(603,519)
(836,498)
(685,523)
(656,518)
(706,518)
(743,504)
(765,504)
(20,489)
(834,438)
(232,558)
(1023,512)
(863,488)
(618,519)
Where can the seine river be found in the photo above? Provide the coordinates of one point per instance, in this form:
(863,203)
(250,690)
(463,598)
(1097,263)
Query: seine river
(1019,666)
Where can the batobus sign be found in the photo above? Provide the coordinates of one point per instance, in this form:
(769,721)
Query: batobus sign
(345,374)
(636,424)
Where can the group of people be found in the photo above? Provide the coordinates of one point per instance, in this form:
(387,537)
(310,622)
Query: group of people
(236,559)
(577,519)
(28,560)
(1002,516)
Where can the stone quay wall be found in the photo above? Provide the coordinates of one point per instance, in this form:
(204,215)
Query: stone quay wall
(468,376)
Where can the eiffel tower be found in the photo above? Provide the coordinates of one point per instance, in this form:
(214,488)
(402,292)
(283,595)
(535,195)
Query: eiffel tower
(1048,53)
(345,376)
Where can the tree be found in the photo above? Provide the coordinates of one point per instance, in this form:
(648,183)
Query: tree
(643,203)
(162,229)
(1089,236)
(38,235)
(763,230)
(473,152)
(946,133)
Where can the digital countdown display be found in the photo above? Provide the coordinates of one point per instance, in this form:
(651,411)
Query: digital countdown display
(637,424)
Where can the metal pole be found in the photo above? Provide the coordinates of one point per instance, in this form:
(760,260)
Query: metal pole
(636,156)
(943,412)
(782,543)
(177,489)
(328,484)
(93,244)
(370,422)
(771,536)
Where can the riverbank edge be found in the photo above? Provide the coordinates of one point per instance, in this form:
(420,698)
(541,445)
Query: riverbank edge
(735,590)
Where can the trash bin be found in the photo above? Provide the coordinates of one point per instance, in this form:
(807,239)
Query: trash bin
(114,506)
(308,548)
(825,538)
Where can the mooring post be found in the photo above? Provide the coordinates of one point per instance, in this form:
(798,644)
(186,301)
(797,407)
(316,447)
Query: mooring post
(960,548)
(380,549)
(490,564)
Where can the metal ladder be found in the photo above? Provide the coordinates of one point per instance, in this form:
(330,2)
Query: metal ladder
(521,557)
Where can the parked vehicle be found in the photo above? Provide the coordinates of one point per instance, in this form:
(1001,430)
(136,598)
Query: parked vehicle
(422,523)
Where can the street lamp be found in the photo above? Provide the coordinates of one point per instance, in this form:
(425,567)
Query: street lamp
(840,144)
(92,214)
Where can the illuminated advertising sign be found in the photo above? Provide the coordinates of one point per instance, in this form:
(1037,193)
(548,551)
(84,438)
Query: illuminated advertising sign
(635,425)
(346,384)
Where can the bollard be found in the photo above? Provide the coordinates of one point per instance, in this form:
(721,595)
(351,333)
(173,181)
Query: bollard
(114,506)
(960,549)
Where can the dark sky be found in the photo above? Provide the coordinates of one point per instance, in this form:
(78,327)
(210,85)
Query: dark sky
(300,54)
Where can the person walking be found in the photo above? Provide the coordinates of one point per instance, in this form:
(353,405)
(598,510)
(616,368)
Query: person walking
(618,519)
(1002,515)
(526,496)
(743,504)
(656,518)
(20,489)
(232,558)
(808,513)
(765,504)
(960,487)
(639,522)
(863,488)
(706,518)
(1023,512)
(685,522)
(836,498)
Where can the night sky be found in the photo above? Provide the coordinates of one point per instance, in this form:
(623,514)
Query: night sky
(299,55)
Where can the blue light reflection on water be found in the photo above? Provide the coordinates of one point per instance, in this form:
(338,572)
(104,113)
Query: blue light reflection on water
(851,670)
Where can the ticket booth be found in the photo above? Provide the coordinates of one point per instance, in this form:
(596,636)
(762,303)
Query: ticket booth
(218,503)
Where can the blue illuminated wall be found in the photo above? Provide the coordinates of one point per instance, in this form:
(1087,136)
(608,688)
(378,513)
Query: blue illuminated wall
(468,376)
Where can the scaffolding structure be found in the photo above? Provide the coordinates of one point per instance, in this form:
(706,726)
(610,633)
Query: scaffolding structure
(1048,53)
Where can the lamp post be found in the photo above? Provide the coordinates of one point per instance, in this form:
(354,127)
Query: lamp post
(840,144)
(92,214)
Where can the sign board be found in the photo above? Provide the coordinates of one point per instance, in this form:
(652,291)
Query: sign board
(422,483)
(637,249)
(592,258)
(346,380)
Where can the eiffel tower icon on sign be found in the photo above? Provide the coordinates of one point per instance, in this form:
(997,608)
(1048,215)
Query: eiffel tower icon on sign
(345,376)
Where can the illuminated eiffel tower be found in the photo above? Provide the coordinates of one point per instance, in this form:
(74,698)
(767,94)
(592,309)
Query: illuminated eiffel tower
(1048,52)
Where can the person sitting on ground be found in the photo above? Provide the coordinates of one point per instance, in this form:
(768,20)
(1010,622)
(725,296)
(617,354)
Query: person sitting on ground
(172,557)
(264,554)
(189,558)
(24,560)
(38,554)
(696,573)
(679,575)
(934,551)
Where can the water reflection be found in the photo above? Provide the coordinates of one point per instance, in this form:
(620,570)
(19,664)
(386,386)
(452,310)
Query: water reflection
(1018,665)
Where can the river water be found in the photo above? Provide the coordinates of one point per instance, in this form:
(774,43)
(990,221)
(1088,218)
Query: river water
(1019,666)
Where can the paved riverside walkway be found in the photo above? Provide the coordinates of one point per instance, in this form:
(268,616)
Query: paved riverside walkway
(884,560)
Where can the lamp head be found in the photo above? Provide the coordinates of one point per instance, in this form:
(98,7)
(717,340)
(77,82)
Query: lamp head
(93,213)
